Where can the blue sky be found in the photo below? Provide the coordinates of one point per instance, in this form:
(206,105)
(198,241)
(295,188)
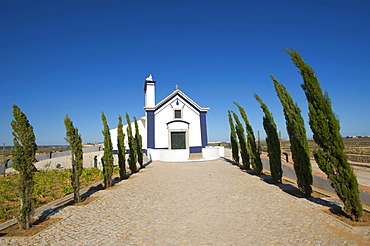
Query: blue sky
(84,57)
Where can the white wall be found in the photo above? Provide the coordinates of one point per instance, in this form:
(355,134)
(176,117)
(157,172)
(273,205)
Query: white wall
(142,131)
(213,153)
(208,153)
(166,114)
(150,94)
(66,163)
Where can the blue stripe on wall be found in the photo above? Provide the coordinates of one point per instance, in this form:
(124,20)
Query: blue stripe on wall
(150,129)
(196,149)
(203,128)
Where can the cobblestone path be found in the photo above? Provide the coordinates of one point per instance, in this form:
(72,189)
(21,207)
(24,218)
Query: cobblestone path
(194,203)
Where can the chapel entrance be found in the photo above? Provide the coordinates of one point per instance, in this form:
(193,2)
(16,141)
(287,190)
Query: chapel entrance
(178,140)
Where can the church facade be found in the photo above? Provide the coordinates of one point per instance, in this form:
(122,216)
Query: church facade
(172,128)
(176,122)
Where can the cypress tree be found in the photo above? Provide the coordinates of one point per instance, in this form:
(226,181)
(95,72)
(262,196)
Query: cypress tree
(107,159)
(242,141)
(138,144)
(23,155)
(325,126)
(131,144)
(233,140)
(272,141)
(4,160)
(75,143)
(297,137)
(252,146)
(121,149)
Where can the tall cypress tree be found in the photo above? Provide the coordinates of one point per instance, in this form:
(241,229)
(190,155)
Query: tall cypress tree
(242,141)
(297,137)
(233,140)
(325,126)
(272,140)
(107,158)
(121,149)
(4,160)
(252,146)
(75,143)
(131,144)
(23,155)
(138,144)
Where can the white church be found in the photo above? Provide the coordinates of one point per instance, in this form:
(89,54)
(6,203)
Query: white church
(172,129)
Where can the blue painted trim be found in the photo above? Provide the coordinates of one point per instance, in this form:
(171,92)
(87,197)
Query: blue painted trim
(177,93)
(182,121)
(150,129)
(196,149)
(203,128)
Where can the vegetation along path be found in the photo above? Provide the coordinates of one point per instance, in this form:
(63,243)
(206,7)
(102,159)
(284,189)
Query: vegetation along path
(193,203)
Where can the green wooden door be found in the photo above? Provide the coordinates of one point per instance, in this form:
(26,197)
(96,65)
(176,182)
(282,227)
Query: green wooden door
(178,140)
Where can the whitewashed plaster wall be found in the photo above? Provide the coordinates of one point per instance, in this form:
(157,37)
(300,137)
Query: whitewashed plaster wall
(142,131)
(166,114)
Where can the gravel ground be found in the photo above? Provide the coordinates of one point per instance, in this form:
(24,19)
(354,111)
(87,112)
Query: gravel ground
(194,203)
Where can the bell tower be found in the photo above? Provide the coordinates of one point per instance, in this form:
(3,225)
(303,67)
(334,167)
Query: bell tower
(149,89)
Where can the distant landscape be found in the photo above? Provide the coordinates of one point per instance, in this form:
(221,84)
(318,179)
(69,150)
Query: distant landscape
(41,149)
(358,145)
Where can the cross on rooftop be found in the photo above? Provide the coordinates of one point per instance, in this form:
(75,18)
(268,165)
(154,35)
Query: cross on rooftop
(177,87)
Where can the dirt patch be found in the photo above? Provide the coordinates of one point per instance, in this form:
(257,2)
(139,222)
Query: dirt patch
(300,194)
(342,232)
(84,201)
(44,222)
(38,226)
(338,213)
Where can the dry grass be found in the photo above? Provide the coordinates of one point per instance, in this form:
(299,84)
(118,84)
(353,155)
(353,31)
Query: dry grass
(49,186)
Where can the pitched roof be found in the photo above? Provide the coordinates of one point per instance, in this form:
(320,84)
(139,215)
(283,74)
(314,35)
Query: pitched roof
(172,95)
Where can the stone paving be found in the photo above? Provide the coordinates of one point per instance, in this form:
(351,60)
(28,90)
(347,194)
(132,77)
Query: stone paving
(194,203)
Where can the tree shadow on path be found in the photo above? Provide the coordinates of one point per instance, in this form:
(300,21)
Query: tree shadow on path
(292,189)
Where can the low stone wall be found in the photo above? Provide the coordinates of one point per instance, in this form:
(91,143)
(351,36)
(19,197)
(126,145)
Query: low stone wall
(64,162)
(213,152)
(351,157)
(319,182)
(208,153)
(359,158)
(174,155)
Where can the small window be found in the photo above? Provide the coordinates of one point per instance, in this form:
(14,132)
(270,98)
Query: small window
(178,114)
